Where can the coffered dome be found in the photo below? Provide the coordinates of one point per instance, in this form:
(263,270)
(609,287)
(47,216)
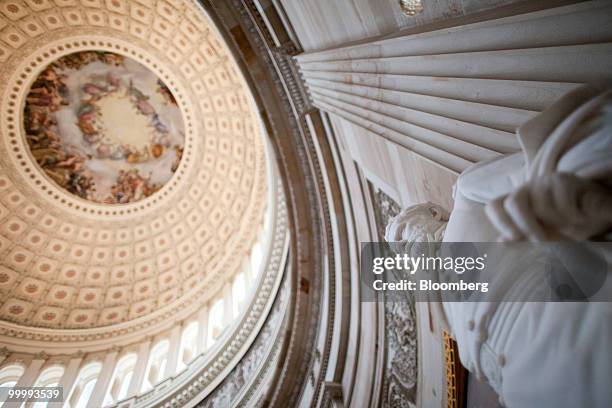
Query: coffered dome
(133,172)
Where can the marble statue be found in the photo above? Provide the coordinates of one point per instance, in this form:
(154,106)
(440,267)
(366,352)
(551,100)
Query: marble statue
(558,187)
(418,223)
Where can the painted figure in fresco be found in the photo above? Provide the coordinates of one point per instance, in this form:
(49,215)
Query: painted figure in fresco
(165,92)
(68,164)
(132,186)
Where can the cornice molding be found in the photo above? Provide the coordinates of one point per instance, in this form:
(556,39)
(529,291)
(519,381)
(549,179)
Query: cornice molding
(289,134)
(304,162)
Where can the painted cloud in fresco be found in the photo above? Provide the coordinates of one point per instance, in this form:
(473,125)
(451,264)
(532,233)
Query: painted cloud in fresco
(104,127)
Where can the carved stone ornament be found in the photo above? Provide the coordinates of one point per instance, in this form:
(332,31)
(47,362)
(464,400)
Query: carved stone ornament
(401,369)
(418,223)
(411,8)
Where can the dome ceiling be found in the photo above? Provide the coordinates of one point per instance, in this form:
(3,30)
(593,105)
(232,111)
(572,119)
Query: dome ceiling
(133,174)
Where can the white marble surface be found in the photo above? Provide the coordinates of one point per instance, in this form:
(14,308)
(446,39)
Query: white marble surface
(414,110)
(322,24)
(399,172)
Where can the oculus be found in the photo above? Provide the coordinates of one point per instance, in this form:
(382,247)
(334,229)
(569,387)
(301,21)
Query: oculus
(104,127)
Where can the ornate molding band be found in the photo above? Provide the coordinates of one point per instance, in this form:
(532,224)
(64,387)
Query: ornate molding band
(211,370)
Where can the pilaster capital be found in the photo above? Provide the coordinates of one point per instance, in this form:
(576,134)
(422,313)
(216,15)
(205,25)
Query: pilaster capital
(41,356)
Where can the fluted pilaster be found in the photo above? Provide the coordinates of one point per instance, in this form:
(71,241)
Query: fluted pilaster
(108,367)
(455,96)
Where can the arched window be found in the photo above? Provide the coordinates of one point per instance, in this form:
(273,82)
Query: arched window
(120,382)
(238,293)
(84,385)
(215,321)
(10,374)
(189,345)
(157,365)
(49,377)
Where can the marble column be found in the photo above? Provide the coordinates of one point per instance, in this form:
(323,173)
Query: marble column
(249,279)
(29,376)
(228,313)
(174,349)
(455,96)
(203,329)
(99,391)
(68,378)
(31,373)
(140,368)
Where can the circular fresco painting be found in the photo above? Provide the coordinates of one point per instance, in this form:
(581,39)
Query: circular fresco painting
(104,127)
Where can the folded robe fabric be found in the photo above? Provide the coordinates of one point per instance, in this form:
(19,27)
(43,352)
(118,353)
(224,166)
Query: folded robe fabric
(559,186)
(538,354)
